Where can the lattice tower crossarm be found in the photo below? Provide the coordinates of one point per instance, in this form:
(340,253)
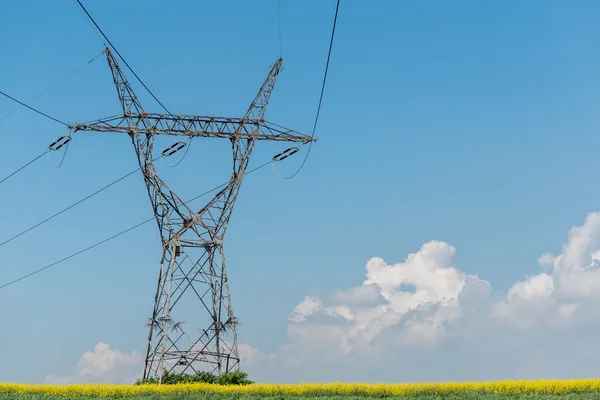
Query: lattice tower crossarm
(193,259)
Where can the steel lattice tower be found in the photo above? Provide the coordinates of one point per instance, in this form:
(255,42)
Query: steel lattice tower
(193,260)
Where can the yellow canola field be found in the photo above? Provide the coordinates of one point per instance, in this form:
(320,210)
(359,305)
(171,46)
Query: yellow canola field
(557,387)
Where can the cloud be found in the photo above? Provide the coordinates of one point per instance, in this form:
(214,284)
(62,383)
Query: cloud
(103,365)
(249,355)
(423,316)
(418,294)
(425,319)
(368,294)
(570,281)
(307,307)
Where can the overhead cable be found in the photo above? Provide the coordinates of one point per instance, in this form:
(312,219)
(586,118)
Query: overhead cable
(69,207)
(33,109)
(118,234)
(23,167)
(121,57)
(322,91)
(53,85)
(56,145)
(73,255)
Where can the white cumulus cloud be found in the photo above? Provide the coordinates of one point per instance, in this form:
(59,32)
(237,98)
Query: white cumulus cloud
(570,280)
(307,307)
(103,365)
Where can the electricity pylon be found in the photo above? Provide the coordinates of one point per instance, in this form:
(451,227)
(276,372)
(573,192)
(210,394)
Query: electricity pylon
(192,241)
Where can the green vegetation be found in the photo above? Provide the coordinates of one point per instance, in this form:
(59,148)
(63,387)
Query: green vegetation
(227,378)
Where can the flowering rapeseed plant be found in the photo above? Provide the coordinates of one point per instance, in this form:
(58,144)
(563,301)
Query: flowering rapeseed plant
(556,387)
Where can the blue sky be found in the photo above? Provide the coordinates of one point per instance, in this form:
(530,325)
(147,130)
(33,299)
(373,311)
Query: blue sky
(469,123)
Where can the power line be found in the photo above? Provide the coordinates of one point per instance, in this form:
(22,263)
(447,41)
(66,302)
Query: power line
(116,235)
(74,254)
(225,183)
(326,69)
(189,144)
(64,156)
(32,99)
(23,167)
(121,57)
(322,91)
(56,145)
(90,25)
(69,207)
(33,109)
(55,83)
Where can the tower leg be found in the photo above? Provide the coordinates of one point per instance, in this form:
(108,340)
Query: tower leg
(197,273)
(151,324)
(230,316)
(166,317)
